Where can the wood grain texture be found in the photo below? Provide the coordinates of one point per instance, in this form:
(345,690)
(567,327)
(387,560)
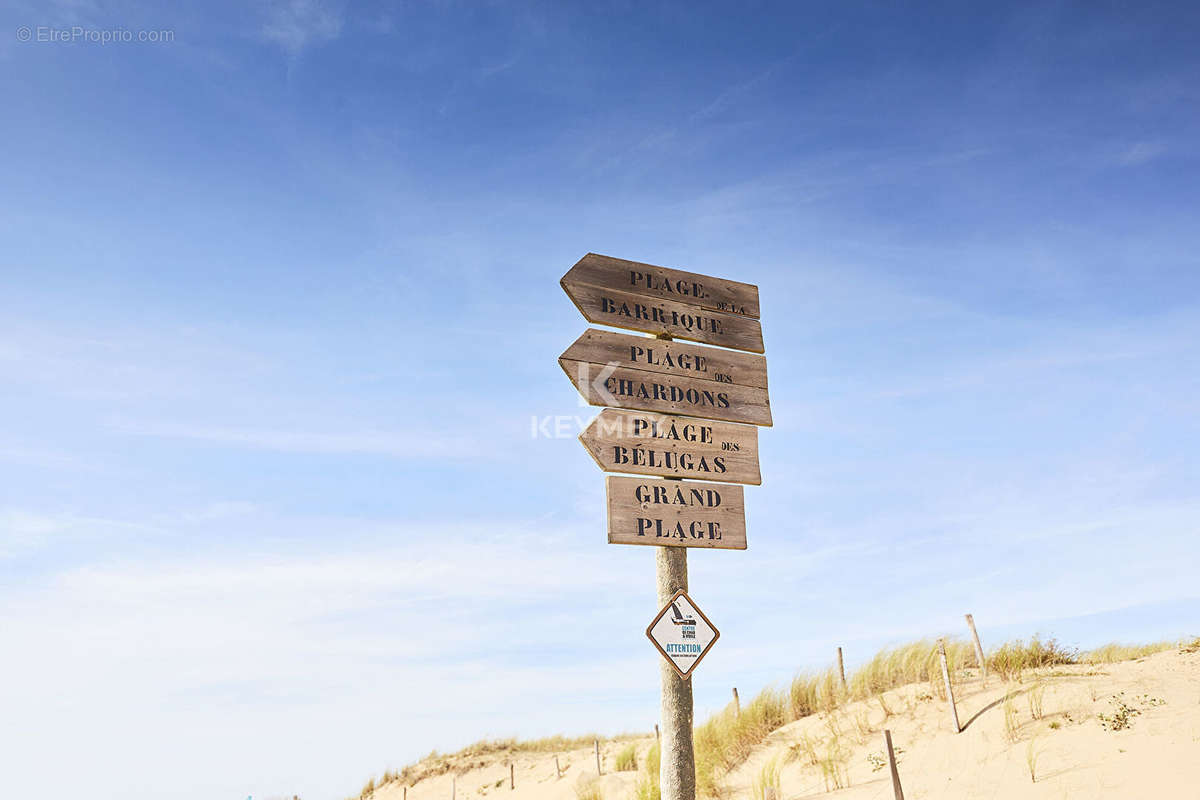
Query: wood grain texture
(669,513)
(669,357)
(664,283)
(979,657)
(673,447)
(618,387)
(949,687)
(678,320)
(897,791)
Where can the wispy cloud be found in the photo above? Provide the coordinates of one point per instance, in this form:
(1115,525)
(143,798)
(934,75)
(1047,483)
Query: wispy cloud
(734,94)
(297,24)
(1141,153)
(445,621)
(22,530)
(17,527)
(397,444)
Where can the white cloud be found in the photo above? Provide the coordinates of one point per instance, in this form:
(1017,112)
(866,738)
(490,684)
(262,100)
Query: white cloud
(357,659)
(22,526)
(297,24)
(22,531)
(1141,153)
(400,444)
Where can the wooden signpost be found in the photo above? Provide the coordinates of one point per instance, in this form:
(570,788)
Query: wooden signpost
(663,283)
(668,357)
(675,513)
(675,411)
(682,305)
(673,447)
(615,369)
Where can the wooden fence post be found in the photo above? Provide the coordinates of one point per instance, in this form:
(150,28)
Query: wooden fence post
(842,670)
(512,781)
(557,768)
(769,793)
(453,787)
(949,689)
(737,705)
(598,770)
(657,735)
(978,648)
(891,756)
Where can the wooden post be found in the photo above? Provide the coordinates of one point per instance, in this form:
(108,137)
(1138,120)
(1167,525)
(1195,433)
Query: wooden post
(657,735)
(949,689)
(769,793)
(842,670)
(891,755)
(405,793)
(598,770)
(737,705)
(677,769)
(512,781)
(453,787)
(677,762)
(978,647)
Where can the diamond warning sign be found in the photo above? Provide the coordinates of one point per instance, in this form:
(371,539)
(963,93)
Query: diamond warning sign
(682,634)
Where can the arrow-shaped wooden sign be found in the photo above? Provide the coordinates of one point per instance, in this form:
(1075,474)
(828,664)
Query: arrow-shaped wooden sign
(624,371)
(683,305)
(676,513)
(674,447)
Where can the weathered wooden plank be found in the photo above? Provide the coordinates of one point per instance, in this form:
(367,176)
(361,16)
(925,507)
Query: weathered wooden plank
(673,446)
(897,790)
(607,385)
(636,312)
(979,657)
(668,357)
(663,283)
(652,511)
(949,687)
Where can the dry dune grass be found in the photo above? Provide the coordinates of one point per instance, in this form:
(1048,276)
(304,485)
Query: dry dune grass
(727,739)
(480,754)
(647,787)
(1013,659)
(917,662)
(1112,653)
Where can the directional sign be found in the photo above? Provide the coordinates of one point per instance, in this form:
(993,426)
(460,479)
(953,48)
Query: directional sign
(682,634)
(683,305)
(615,369)
(675,513)
(673,447)
(661,283)
(668,358)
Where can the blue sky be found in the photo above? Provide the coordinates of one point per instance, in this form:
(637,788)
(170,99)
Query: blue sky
(279,314)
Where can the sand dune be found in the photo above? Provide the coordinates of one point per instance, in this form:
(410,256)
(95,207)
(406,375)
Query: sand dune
(1155,754)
